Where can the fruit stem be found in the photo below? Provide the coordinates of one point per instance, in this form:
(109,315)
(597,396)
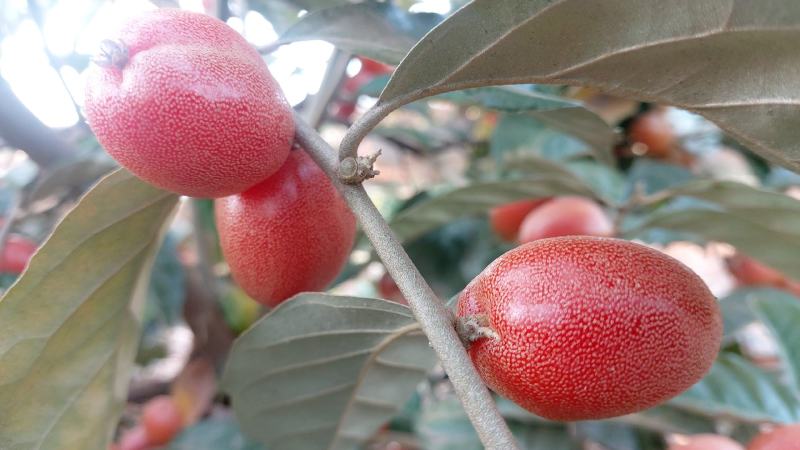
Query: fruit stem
(112,54)
(436,320)
(473,328)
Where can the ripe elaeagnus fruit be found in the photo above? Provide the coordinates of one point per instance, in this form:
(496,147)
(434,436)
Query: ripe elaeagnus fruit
(577,328)
(162,419)
(506,219)
(565,216)
(185,103)
(289,234)
(782,438)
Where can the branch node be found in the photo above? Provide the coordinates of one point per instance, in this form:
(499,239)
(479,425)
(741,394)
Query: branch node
(356,170)
(112,53)
(473,328)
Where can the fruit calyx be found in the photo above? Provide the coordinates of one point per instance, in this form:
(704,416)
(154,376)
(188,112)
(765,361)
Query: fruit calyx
(473,328)
(112,53)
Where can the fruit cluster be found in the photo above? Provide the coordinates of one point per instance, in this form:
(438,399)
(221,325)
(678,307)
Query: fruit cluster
(569,327)
(186,103)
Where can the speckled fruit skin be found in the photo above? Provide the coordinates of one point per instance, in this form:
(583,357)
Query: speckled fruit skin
(565,216)
(506,219)
(194,110)
(291,233)
(161,419)
(591,328)
(707,442)
(783,438)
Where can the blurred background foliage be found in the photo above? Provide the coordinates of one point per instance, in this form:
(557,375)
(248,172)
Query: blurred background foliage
(447,160)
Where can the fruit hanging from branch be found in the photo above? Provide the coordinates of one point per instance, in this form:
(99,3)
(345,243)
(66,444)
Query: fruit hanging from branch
(289,234)
(583,328)
(184,102)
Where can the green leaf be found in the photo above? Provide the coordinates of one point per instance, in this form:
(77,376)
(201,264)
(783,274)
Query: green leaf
(762,224)
(377,30)
(281,14)
(737,390)
(167,286)
(522,134)
(782,315)
(214,434)
(479,198)
(568,116)
(616,436)
(443,425)
(669,419)
(736,310)
(652,176)
(70,325)
(699,56)
(322,371)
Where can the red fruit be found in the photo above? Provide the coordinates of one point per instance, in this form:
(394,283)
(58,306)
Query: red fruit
(506,219)
(162,419)
(389,290)
(192,109)
(133,439)
(289,234)
(590,328)
(565,216)
(750,272)
(706,442)
(654,130)
(373,67)
(783,438)
(16,253)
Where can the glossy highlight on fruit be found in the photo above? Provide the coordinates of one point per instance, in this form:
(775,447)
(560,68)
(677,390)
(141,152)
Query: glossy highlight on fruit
(590,328)
(506,219)
(782,438)
(161,419)
(185,103)
(565,216)
(289,234)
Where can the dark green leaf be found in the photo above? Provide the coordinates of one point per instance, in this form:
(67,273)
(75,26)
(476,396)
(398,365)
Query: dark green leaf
(522,134)
(736,310)
(699,56)
(652,176)
(325,372)
(568,116)
(70,325)
(443,425)
(737,390)
(167,289)
(281,14)
(377,30)
(669,419)
(762,224)
(781,313)
(214,434)
(615,436)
